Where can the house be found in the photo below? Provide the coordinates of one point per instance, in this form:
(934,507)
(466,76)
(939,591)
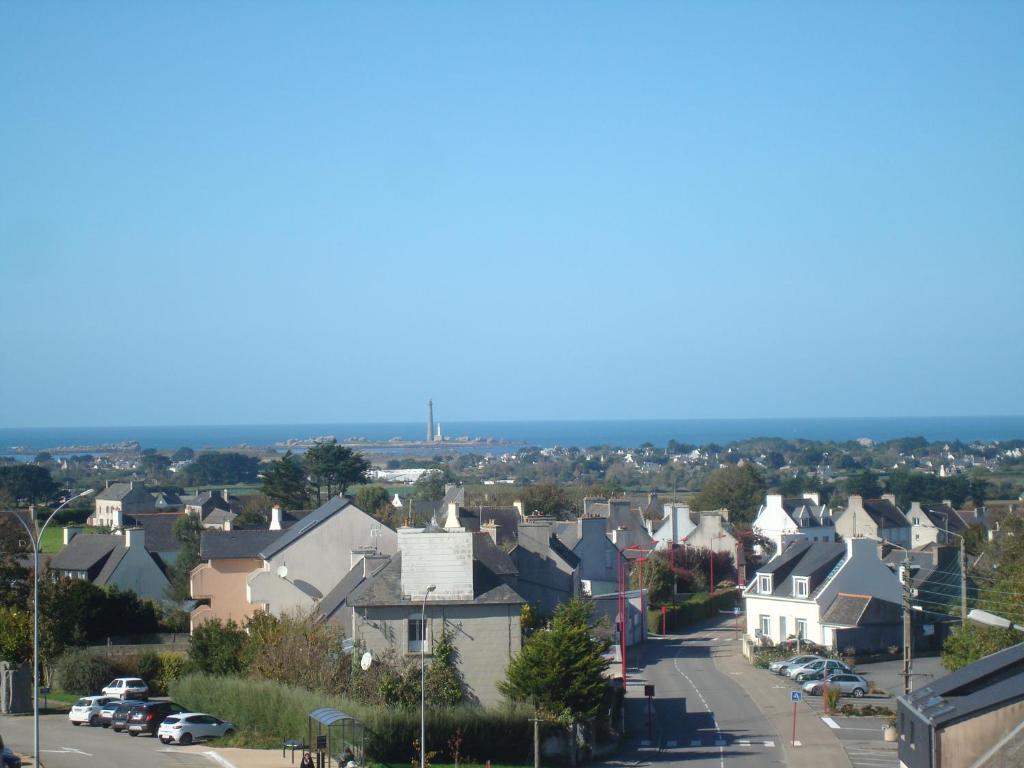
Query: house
(601,561)
(714,532)
(505,520)
(932,523)
(971,718)
(624,524)
(120,499)
(111,560)
(166,501)
(548,571)
(874,518)
(472,597)
(675,525)
(295,564)
(213,509)
(934,573)
(781,519)
(790,594)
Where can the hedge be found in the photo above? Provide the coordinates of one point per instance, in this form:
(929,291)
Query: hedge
(83,672)
(281,711)
(695,608)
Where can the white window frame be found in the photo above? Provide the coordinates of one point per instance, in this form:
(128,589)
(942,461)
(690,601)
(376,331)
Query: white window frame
(765,622)
(421,645)
(801,628)
(801,587)
(764,583)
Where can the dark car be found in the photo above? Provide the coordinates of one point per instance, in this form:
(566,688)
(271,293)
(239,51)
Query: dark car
(146,718)
(119,715)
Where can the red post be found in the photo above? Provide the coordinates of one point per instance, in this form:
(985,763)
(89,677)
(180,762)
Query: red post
(622,619)
(712,561)
(793,742)
(663,621)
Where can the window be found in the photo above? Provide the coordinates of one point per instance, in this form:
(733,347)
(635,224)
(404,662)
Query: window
(799,587)
(782,628)
(766,625)
(417,633)
(801,628)
(764,583)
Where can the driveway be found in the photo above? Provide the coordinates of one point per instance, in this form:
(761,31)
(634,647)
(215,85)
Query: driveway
(62,745)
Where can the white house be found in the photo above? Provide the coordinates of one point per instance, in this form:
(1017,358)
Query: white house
(789,595)
(780,519)
(674,526)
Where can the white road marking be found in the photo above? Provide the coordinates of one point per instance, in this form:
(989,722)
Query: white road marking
(735,673)
(220,759)
(797,743)
(695,743)
(830,723)
(743,743)
(769,743)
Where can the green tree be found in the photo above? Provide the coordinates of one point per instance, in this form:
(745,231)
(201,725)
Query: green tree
(740,489)
(430,486)
(373,500)
(335,467)
(548,499)
(284,481)
(221,468)
(864,483)
(29,482)
(16,637)
(255,512)
(183,454)
(187,530)
(217,648)
(444,686)
(970,642)
(657,578)
(560,670)
(154,465)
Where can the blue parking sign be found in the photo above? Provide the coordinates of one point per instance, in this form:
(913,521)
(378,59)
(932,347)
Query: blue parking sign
(794,695)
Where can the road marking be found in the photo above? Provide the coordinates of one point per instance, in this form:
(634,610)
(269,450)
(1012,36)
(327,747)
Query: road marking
(67,751)
(797,743)
(695,743)
(220,759)
(830,723)
(671,743)
(743,743)
(736,673)
(769,743)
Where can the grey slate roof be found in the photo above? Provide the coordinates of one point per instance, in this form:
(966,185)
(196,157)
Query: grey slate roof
(814,560)
(159,528)
(85,551)
(859,610)
(990,683)
(805,513)
(339,595)
(114,492)
(219,545)
(506,518)
(885,514)
(308,523)
(219,516)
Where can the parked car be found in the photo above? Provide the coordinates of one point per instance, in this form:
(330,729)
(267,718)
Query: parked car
(126,688)
(146,718)
(192,726)
(9,759)
(829,666)
(847,683)
(109,710)
(119,717)
(87,709)
(779,667)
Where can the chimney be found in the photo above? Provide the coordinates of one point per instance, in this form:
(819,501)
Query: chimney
(948,503)
(275,517)
(890,497)
(227,525)
(134,537)
(519,505)
(224,494)
(371,562)
(452,522)
(814,498)
(70,532)
(116,518)
(491,529)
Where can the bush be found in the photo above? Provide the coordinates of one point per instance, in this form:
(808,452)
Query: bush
(148,666)
(695,608)
(82,672)
(281,711)
(172,666)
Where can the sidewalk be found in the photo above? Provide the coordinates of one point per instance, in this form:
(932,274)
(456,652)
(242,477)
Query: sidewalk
(818,744)
(245,758)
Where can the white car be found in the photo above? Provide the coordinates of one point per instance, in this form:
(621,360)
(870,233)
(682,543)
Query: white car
(87,709)
(126,688)
(187,727)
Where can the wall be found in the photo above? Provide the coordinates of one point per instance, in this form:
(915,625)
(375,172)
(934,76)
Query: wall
(223,582)
(444,560)
(486,638)
(138,572)
(599,558)
(791,610)
(544,579)
(959,745)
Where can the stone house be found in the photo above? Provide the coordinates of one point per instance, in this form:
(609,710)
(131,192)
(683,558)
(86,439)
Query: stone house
(781,519)
(874,518)
(120,499)
(111,560)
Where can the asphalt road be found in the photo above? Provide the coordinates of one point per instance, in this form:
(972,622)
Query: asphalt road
(702,717)
(63,745)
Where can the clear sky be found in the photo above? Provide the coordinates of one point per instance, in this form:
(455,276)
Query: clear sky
(324,211)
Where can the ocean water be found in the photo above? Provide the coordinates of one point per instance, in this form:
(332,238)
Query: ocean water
(625,433)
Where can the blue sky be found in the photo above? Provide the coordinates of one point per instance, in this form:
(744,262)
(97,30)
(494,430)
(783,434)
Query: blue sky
(321,212)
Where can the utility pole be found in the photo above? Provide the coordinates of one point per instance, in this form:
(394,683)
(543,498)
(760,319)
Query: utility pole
(908,636)
(963,582)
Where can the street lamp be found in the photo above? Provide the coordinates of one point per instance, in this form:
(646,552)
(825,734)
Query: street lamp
(423,679)
(36,538)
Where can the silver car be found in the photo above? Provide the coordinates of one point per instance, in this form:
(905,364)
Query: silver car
(848,684)
(780,667)
(187,727)
(828,666)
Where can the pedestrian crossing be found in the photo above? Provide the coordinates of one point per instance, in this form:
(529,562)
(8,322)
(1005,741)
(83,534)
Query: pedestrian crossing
(711,741)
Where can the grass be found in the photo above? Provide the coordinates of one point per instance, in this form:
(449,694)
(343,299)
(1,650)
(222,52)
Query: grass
(53,538)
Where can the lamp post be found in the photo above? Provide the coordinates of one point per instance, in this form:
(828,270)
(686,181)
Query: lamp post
(423,679)
(36,538)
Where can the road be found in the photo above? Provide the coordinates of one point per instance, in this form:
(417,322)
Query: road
(720,723)
(62,745)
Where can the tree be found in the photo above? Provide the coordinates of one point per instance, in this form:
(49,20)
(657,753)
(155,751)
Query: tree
(154,465)
(970,642)
(334,466)
(864,483)
(429,486)
(221,468)
(16,638)
(284,481)
(296,650)
(549,499)
(217,648)
(443,684)
(187,530)
(30,482)
(657,578)
(43,457)
(740,489)
(183,454)
(255,512)
(560,670)
(374,500)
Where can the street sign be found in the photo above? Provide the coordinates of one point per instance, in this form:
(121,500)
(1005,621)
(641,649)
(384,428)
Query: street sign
(794,695)
(736,611)
(648,689)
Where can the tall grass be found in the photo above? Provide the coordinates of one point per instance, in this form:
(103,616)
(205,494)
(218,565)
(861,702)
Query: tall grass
(281,711)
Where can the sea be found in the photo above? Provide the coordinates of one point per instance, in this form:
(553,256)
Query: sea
(582,434)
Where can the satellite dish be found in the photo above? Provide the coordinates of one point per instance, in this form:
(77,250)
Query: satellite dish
(366,661)
(282,571)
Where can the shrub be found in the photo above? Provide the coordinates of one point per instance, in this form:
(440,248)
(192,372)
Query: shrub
(148,666)
(832,696)
(82,672)
(281,711)
(172,666)
(695,608)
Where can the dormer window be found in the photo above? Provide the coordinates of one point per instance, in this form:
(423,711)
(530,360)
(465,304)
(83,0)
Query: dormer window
(800,586)
(764,583)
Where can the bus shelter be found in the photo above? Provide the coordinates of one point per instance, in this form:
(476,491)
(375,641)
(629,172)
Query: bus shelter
(331,732)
